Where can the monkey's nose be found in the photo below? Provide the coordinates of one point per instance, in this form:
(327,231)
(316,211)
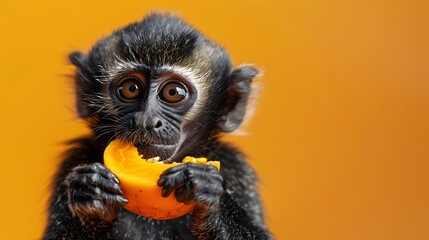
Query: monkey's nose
(146,123)
(153,124)
(158,124)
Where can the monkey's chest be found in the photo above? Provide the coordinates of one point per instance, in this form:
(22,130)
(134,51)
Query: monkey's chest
(134,227)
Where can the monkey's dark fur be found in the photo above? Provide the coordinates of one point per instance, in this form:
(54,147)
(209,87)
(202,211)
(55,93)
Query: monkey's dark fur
(120,86)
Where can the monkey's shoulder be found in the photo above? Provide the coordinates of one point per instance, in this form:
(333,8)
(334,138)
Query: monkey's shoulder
(78,151)
(232,160)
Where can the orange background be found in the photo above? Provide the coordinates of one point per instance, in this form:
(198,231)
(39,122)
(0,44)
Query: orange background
(340,136)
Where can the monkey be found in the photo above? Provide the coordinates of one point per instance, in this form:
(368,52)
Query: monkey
(163,86)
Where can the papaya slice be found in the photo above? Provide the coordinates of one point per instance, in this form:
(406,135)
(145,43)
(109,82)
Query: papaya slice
(138,179)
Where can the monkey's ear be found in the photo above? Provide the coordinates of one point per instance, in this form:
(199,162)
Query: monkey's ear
(238,95)
(81,81)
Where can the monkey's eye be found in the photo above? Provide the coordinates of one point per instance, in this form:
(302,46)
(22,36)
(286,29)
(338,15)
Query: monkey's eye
(173,92)
(129,90)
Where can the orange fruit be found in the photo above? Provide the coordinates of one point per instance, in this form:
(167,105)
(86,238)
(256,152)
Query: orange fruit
(138,179)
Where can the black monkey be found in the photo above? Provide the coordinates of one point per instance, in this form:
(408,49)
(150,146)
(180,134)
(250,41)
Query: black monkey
(163,86)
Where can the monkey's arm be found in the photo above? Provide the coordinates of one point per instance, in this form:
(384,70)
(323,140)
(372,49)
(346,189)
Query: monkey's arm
(231,221)
(240,214)
(62,224)
(228,204)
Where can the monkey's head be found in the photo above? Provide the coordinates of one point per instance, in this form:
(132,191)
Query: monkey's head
(161,85)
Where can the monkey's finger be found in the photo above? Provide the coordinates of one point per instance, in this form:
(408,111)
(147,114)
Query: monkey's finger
(105,184)
(184,193)
(82,193)
(183,167)
(167,190)
(93,180)
(113,200)
(175,177)
(97,168)
(171,181)
(194,170)
(208,173)
(105,172)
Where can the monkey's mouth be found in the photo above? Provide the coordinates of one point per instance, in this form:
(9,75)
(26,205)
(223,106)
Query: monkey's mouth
(164,151)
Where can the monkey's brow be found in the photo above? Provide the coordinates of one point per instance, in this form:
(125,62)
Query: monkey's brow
(188,73)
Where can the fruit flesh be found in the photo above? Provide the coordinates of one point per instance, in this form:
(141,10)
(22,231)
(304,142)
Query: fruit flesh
(138,180)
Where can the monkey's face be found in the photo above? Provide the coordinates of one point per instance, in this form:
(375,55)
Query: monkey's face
(161,85)
(150,109)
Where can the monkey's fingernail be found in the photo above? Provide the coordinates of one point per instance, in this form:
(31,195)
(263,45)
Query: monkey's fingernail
(120,191)
(161,181)
(116,180)
(165,192)
(122,199)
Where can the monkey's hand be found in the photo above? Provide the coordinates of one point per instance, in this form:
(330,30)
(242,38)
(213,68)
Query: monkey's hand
(202,183)
(93,192)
